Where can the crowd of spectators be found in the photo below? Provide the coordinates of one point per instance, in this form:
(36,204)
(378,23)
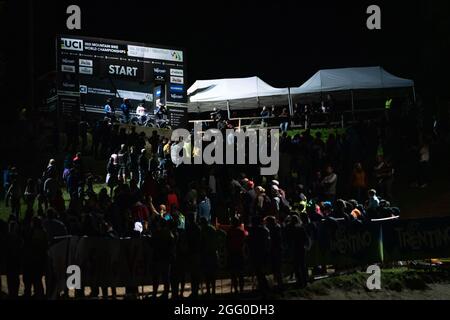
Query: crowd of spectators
(347,176)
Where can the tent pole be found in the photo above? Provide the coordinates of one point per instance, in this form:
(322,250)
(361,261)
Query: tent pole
(228,110)
(414,93)
(291,109)
(353,105)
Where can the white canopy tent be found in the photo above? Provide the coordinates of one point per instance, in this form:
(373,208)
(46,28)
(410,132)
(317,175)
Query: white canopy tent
(329,80)
(351,79)
(238,93)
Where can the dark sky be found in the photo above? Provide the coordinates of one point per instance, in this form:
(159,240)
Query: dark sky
(284,42)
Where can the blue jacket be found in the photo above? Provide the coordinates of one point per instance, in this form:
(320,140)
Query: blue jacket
(204,209)
(125,108)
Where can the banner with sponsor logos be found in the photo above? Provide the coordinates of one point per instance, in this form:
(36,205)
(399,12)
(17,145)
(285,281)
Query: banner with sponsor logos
(343,244)
(178,117)
(416,239)
(118,66)
(129,262)
(94,92)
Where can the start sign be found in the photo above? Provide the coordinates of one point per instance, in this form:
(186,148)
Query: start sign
(123,70)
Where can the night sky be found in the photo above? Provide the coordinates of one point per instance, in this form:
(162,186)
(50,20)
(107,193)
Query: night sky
(284,42)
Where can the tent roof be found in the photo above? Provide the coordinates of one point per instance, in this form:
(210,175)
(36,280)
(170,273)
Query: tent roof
(351,79)
(242,93)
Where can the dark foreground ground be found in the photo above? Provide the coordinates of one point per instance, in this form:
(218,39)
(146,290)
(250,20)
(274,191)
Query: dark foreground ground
(400,283)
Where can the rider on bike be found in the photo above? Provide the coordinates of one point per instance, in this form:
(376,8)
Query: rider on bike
(141,113)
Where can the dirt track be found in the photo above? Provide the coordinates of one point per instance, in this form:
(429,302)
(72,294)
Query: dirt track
(435,292)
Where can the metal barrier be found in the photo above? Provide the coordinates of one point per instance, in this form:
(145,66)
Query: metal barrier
(308,122)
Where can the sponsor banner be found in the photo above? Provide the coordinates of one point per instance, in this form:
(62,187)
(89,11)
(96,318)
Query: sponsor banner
(159,71)
(176,88)
(86,63)
(159,74)
(69,103)
(83,89)
(133,95)
(86,70)
(129,262)
(62,253)
(178,80)
(178,117)
(159,97)
(342,244)
(176,97)
(68,61)
(177,72)
(68,69)
(416,239)
(69,86)
(155,53)
(98,91)
(68,93)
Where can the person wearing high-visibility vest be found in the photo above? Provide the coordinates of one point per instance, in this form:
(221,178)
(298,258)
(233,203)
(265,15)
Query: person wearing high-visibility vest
(388,104)
(387,108)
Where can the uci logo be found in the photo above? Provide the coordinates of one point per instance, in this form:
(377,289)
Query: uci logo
(71,44)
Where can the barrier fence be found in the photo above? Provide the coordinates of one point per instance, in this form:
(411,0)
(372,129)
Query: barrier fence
(129,262)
